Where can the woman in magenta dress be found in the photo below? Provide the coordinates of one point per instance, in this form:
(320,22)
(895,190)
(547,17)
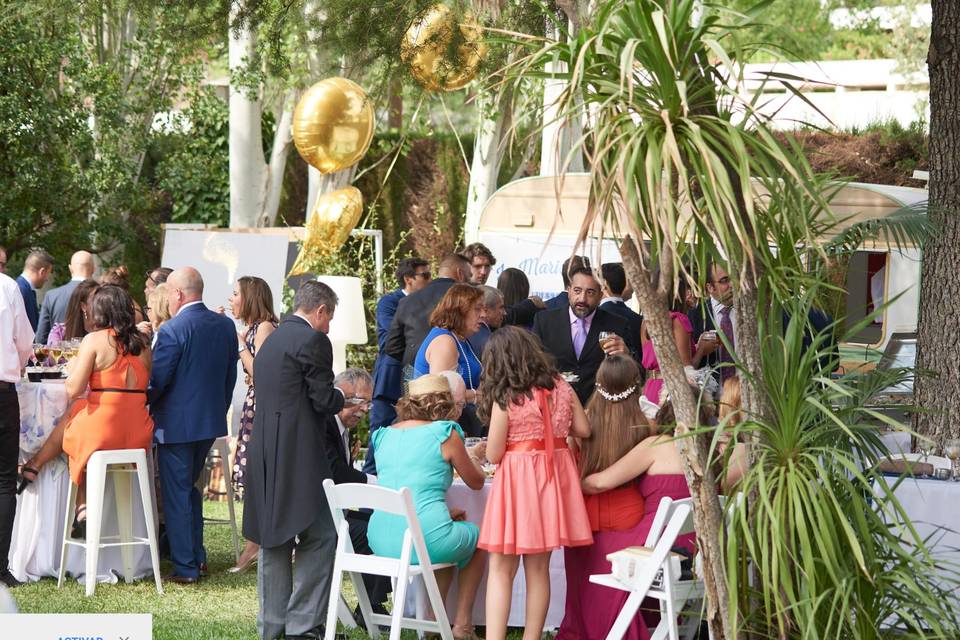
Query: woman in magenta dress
(591,609)
(690,354)
(535,504)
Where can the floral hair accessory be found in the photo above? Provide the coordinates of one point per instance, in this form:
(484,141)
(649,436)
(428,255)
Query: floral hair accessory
(616,397)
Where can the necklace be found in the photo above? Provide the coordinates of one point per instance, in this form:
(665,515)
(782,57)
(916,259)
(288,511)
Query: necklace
(463,352)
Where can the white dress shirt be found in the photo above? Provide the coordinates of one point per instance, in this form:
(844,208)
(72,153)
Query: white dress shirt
(16,334)
(346,447)
(716,307)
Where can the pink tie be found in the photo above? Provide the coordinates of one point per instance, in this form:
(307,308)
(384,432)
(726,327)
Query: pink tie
(580,337)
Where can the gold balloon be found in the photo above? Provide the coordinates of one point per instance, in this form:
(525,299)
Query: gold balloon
(426,48)
(333,124)
(334,216)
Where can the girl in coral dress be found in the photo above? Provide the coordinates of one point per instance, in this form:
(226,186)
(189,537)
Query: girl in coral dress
(535,504)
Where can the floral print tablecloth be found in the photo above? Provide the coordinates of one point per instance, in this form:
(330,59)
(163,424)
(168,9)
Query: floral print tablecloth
(42,405)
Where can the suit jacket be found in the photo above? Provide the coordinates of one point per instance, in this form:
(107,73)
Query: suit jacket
(559,301)
(632,317)
(287,458)
(521,314)
(478,341)
(386,309)
(54,309)
(701,319)
(29,301)
(411,324)
(340,468)
(194,373)
(553,329)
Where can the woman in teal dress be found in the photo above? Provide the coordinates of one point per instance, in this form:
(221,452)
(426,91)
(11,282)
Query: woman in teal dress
(420,451)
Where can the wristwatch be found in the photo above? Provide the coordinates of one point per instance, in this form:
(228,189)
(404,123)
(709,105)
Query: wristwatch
(241,348)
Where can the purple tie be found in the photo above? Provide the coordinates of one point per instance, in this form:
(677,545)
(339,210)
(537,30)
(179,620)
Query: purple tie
(580,337)
(726,326)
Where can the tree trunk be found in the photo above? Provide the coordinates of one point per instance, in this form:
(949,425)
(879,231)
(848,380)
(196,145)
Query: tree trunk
(938,340)
(320,183)
(248,171)
(559,134)
(487,155)
(703,483)
(282,141)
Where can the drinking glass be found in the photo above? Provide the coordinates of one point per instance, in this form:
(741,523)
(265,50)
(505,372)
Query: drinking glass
(40,354)
(952,450)
(604,336)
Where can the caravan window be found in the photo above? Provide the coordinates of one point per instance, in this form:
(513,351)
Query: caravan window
(866,292)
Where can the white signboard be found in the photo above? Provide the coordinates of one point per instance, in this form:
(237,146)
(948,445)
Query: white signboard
(541,257)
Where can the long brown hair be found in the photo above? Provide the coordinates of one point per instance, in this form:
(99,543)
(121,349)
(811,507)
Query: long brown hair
(256,300)
(617,425)
(112,308)
(73,325)
(514,364)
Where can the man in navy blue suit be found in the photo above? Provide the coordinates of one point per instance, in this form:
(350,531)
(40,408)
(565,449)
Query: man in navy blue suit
(616,292)
(413,274)
(191,386)
(37,269)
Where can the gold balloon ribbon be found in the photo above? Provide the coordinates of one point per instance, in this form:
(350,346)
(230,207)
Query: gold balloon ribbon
(333,124)
(427,45)
(334,216)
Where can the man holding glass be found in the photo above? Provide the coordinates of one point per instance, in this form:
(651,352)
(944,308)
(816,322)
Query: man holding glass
(572,333)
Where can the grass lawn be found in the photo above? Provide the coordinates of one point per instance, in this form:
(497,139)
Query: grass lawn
(221,607)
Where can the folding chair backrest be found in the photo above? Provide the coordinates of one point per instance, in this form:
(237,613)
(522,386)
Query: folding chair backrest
(666,508)
(677,518)
(351,495)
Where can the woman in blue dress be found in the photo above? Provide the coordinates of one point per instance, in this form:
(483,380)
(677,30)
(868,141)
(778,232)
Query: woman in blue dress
(420,451)
(455,318)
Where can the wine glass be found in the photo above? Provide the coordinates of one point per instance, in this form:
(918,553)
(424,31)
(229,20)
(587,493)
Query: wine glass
(952,450)
(40,354)
(604,336)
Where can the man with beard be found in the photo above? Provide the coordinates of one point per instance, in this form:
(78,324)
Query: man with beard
(715,315)
(572,334)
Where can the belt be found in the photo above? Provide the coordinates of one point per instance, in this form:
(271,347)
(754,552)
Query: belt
(526,446)
(92,390)
(654,374)
(7,385)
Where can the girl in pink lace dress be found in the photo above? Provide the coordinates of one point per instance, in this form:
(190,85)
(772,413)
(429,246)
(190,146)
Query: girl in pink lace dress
(535,504)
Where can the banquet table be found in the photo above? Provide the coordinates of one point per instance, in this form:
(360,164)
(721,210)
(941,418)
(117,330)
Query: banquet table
(38,527)
(930,505)
(473,502)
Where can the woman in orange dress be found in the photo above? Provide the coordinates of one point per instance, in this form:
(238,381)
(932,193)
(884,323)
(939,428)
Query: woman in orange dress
(535,504)
(115,360)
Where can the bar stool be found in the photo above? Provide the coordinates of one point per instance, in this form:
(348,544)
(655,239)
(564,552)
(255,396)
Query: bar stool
(121,463)
(222,447)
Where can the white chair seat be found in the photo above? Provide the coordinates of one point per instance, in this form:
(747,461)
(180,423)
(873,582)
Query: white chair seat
(121,463)
(401,570)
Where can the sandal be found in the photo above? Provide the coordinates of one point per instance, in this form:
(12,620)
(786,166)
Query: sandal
(465,632)
(79,530)
(24,480)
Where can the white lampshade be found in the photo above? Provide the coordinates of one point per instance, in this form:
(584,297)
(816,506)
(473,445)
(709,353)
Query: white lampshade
(349,325)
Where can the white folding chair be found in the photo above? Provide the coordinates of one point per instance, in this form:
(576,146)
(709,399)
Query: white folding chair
(673,519)
(222,447)
(362,496)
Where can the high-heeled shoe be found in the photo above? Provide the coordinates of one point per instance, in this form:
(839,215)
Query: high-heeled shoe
(24,480)
(245,563)
(79,529)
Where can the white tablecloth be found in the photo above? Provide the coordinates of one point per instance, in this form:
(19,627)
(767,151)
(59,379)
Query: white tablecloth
(896,441)
(473,502)
(38,527)
(931,507)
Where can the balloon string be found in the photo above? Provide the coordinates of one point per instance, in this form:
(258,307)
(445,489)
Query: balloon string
(393,163)
(463,154)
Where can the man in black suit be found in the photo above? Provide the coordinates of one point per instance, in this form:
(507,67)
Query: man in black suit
(285,508)
(411,323)
(570,265)
(708,317)
(616,293)
(357,386)
(572,334)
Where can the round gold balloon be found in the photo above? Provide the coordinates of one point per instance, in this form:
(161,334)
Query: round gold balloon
(427,46)
(334,216)
(333,124)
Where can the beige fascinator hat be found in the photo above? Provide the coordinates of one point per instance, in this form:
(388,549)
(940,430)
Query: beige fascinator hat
(431,383)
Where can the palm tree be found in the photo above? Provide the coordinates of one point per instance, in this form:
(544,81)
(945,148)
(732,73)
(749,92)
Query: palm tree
(670,139)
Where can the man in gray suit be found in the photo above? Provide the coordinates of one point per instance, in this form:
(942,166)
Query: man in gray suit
(54,307)
(285,509)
